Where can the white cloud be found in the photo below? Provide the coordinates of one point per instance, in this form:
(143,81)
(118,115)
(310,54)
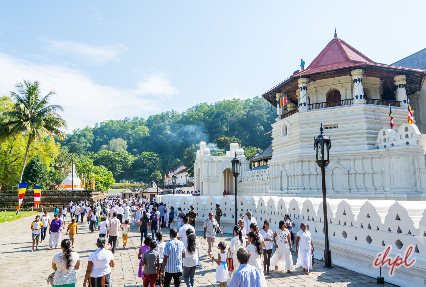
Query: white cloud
(84,101)
(94,55)
(156,85)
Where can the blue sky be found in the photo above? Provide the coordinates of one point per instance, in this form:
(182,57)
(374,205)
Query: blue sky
(116,59)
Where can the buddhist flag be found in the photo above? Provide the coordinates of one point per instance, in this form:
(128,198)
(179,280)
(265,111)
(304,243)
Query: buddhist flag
(22,188)
(283,101)
(391,117)
(93,183)
(410,114)
(37,193)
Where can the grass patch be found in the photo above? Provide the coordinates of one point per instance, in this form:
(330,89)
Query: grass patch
(11,215)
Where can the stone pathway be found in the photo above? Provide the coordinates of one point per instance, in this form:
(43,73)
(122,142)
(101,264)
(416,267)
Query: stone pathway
(20,267)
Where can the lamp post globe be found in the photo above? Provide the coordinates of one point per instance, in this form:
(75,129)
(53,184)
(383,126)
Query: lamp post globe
(174,182)
(236,166)
(322,146)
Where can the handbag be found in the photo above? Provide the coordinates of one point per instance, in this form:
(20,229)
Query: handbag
(230,262)
(49,279)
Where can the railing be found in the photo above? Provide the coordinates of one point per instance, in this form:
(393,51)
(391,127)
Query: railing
(380,102)
(292,112)
(330,104)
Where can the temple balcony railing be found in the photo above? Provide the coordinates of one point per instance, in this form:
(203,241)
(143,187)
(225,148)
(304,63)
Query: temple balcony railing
(341,103)
(315,106)
(380,102)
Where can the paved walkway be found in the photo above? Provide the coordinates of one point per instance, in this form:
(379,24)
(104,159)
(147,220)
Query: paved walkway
(20,267)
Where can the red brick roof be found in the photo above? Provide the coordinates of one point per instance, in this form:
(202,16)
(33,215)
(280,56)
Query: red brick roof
(336,55)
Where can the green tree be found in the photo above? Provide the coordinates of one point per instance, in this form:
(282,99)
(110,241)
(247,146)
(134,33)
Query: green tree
(116,162)
(250,151)
(156,176)
(104,178)
(36,172)
(31,115)
(224,142)
(115,145)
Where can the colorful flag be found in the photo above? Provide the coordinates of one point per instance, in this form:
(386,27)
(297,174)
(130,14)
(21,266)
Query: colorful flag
(37,193)
(391,117)
(410,114)
(283,101)
(93,184)
(22,188)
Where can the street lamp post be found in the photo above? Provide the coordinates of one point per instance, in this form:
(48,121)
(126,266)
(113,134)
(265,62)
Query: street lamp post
(235,172)
(322,145)
(158,182)
(174,183)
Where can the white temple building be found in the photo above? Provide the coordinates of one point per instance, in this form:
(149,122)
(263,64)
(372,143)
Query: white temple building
(376,179)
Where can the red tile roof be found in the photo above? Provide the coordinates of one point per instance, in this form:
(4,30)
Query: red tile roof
(336,55)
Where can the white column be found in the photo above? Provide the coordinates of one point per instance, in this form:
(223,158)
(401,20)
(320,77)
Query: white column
(358,88)
(303,97)
(401,92)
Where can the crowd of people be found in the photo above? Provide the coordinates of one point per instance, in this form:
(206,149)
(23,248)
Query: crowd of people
(245,262)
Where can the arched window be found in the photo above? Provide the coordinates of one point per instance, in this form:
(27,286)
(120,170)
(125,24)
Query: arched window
(334,96)
(284,130)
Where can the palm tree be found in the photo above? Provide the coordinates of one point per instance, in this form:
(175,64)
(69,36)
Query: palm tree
(31,115)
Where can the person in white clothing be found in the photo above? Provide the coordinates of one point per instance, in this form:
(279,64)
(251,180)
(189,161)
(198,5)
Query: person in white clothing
(99,266)
(103,225)
(210,227)
(236,243)
(248,219)
(304,248)
(255,250)
(182,231)
(268,238)
(282,256)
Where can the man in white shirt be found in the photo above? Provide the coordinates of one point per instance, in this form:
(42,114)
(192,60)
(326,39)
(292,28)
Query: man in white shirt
(210,227)
(248,219)
(182,231)
(45,219)
(120,211)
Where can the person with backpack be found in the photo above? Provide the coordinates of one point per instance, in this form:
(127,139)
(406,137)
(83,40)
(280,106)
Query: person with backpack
(153,222)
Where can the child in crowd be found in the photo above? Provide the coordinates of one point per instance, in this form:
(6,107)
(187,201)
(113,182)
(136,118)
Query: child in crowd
(72,230)
(126,228)
(151,263)
(103,227)
(36,227)
(142,250)
(222,273)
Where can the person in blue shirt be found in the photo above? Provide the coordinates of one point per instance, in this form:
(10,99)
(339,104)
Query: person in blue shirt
(246,275)
(173,255)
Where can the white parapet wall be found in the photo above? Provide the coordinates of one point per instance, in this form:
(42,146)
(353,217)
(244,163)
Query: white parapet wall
(358,229)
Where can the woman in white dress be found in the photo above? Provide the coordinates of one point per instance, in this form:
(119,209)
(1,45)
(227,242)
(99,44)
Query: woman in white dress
(236,243)
(268,238)
(255,250)
(282,256)
(304,248)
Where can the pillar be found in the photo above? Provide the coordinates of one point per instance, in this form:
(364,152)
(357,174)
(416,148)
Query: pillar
(358,88)
(401,91)
(303,97)
(279,110)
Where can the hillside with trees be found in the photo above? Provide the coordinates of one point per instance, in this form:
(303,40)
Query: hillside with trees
(142,149)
